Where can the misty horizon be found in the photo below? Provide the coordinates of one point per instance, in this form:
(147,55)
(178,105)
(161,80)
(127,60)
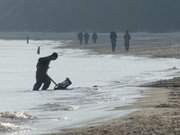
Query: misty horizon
(81,15)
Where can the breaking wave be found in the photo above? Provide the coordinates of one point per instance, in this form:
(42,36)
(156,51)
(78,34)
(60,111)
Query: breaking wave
(16,115)
(57,107)
(8,127)
(14,121)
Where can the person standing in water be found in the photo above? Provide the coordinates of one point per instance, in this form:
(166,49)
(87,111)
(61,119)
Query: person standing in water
(38,50)
(41,72)
(94,37)
(27,39)
(113,38)
(127,38)
(80,37)
(86,37)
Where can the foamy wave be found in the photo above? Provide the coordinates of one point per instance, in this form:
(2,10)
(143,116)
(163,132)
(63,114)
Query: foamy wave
(171,69)
(11,127)
(73,107)
(8,127)
(16,115)
(57,107)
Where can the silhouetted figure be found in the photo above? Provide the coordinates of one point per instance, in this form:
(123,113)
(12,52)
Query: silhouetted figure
(80,37)
(86,37)
(38,50)
(127,38)
(41,72)
(113,37)
(94,37)
(27,39)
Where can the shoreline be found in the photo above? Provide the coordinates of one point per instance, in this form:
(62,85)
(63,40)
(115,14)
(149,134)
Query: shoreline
(158,114)
(154,51)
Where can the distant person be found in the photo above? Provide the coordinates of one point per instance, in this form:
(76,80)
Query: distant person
(86,37)
(127,38)
(38,50)
(94,37)
(27,39)
(80,37)
(41,72)
(113,37)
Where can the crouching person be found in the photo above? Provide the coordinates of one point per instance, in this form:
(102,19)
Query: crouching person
(41,72)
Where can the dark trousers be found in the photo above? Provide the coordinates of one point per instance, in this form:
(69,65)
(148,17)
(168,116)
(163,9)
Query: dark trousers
(127,45)
(80,41)
(86,41)
(45,80)
(94,41)
(113,43)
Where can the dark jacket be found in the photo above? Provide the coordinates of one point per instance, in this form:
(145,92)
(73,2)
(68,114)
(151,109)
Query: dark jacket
(113,36)
(43,65)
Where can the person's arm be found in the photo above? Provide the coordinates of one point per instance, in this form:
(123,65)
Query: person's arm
(44,59)
(116,36)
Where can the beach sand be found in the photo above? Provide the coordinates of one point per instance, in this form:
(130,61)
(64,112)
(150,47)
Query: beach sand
(158,111)
(159,114)
(166,46)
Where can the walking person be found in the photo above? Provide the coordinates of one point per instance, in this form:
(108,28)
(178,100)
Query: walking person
(86,38)
(94,37)
(127,39)
(113,38)
(80,37)
(41,72)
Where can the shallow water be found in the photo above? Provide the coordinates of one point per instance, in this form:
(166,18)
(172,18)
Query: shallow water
(100,84)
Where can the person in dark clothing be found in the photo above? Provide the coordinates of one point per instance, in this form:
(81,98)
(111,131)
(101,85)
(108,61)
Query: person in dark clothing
(38,50)
(86,37)
(94,37)
(80,37)
(27,39)
(113,37)
(127,38)
(41,72)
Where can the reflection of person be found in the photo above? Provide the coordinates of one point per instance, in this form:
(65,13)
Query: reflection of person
(127,38)
(41,72)
(113,37)
(86,37)
(80,37)
(94,37)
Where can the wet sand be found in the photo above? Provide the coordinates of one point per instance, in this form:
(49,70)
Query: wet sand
(159,109)
(150,49)
(159,114)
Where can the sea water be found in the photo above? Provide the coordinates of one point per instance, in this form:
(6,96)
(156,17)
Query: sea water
(101,83)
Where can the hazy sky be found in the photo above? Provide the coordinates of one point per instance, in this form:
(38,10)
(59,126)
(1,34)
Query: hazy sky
(92,15)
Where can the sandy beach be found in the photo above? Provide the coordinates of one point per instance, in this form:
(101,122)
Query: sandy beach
(159,114)
(150,50)
(158,111)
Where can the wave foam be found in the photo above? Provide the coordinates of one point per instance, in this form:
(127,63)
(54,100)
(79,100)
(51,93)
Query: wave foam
(16,115)
(73,107)
(8,127)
